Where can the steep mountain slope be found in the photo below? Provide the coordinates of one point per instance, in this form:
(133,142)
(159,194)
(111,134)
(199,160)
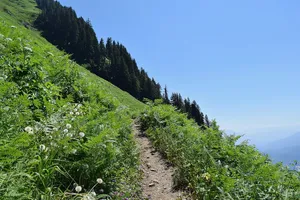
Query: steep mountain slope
(65,133)
(22,11)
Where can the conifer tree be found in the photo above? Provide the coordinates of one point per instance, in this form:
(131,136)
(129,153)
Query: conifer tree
(166,96)
(207,121)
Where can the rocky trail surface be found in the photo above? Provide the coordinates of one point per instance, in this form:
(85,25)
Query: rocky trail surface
(157,179)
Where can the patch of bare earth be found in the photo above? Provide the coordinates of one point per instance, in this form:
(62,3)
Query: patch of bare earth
(157,179)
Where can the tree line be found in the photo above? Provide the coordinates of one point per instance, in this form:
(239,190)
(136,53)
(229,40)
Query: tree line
(192,109)
(108,59)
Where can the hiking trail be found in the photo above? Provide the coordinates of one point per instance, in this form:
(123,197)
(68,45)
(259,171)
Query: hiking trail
(157,173)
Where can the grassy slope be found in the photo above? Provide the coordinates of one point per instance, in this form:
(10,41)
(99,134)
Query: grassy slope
(26,10)
(42,89)
(19,10)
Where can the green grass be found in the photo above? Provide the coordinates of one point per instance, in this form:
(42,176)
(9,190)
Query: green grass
(19,10)
(26,10)
(61,126)
(211,165)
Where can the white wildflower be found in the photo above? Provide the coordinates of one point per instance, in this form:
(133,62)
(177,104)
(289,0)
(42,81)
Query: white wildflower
(101,126)
(99,180)
(28,49)
(75,109)
(53,144)
(79,105)
(29,130)
(81,134)
(69,126)
(74,151)
(71,113)
(55,129)
(14,27)
(88,197)
(42,147)
(66,131)
(93,194)
(2,47)
(77,113)
(72,119)
(69,135)
(78,188)
(226,166)
(86,166)
(8,39)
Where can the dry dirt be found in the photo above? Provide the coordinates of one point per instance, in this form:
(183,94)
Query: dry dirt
(157,179)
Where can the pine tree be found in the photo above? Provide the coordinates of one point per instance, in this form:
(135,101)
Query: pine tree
(187,106)
(176,100)
(207,121)
(166,96)
(197,114)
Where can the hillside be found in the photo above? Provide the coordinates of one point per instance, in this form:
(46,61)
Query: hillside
(61,126)
(22,11)
(68,134)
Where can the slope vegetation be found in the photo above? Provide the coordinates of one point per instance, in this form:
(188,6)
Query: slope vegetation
(65,133)
(211,165)
(22,11)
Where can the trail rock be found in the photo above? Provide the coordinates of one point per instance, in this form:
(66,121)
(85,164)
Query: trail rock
(151,184)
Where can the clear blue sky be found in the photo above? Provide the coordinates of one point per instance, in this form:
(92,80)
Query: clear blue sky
(240,60)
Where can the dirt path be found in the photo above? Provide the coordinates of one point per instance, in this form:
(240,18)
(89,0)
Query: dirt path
(157,180)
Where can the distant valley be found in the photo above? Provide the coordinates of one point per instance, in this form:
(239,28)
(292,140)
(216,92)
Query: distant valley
(280,146)
(286,150)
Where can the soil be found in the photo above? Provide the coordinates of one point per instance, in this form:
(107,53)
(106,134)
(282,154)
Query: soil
(157,181)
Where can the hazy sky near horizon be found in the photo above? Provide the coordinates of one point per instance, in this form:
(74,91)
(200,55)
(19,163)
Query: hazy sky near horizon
(238,59)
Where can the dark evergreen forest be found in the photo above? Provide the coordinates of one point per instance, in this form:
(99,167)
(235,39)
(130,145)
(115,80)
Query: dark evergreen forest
(108,59)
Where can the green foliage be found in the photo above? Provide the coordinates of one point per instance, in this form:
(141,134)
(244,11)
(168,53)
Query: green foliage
(211,165)
(61,126)
(23,11)
(61,26)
